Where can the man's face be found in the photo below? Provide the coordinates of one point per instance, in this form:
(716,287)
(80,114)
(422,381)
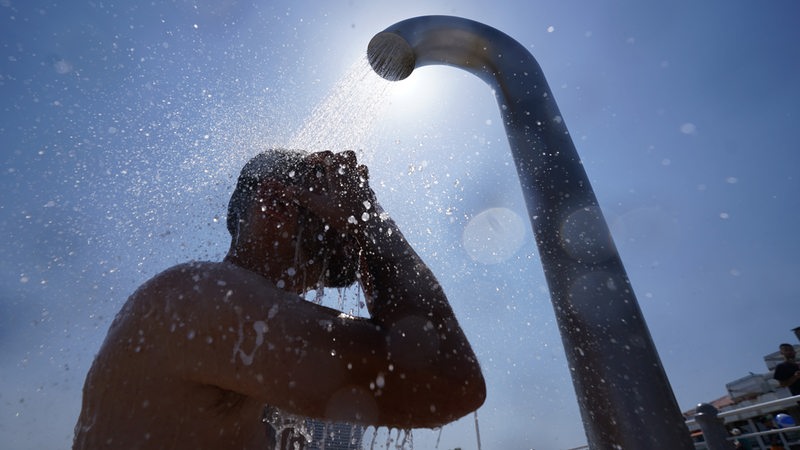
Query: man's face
(338,253)
(787,351)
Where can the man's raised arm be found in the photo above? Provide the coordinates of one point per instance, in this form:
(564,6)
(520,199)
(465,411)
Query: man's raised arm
(432,372)
(426,346)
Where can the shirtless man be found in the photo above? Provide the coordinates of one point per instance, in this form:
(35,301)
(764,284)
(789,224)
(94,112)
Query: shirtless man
(197,352)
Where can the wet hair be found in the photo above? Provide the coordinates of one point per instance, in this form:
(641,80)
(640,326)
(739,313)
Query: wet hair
(338,253)
(785,344)
(274,164)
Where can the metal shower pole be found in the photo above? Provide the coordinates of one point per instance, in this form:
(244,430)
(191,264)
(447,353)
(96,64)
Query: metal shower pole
(624,395)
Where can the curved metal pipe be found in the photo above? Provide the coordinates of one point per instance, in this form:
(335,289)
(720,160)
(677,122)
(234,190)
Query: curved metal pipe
(623,392)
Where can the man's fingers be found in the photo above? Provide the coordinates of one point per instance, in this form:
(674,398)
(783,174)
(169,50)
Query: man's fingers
(340,189)
(344,162)
(349,156)
(319,157)
(363,172)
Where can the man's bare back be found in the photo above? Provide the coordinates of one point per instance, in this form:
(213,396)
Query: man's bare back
(199,350)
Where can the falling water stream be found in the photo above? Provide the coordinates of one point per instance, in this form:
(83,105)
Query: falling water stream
(344,119)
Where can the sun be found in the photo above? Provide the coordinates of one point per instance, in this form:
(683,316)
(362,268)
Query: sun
(424,91)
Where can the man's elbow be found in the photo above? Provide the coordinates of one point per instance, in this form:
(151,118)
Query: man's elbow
(441,402)
(466,395)
(475,394)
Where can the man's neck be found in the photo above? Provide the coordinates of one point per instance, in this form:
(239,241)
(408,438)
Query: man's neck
(274,271)
(247,260)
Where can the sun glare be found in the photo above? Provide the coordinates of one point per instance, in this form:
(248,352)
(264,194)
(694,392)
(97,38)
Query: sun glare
(422,91)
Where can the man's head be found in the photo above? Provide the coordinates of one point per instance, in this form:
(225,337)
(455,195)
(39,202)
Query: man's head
(787,350)
(319,243)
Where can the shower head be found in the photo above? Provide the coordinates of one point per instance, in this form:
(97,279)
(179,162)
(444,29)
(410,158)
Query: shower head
(395,52)
(391,56)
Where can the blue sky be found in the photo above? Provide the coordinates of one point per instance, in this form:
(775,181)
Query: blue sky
(124,125)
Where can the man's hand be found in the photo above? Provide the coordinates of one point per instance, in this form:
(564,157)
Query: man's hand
(337,190)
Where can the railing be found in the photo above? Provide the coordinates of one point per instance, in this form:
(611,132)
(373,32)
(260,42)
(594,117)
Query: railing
(717,437)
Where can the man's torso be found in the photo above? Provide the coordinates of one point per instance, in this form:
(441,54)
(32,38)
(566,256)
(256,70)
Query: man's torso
(132,398)
(784,371)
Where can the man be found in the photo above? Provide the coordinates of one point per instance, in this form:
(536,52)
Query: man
(788,372)
(198,351)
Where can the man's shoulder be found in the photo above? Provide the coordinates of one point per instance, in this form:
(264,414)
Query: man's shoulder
(198,267)
(199,271)
(196,280)
(195,289)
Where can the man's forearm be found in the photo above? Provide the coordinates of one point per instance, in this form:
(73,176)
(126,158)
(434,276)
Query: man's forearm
(395,279)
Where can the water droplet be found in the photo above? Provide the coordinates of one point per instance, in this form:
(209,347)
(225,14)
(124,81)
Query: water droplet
(493,235)
(62,66)
(272,311)
(688,128)
(260,327)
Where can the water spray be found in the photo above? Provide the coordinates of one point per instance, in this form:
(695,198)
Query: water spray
(623,392)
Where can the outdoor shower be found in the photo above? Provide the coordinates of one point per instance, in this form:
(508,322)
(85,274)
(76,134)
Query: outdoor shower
(623,392)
